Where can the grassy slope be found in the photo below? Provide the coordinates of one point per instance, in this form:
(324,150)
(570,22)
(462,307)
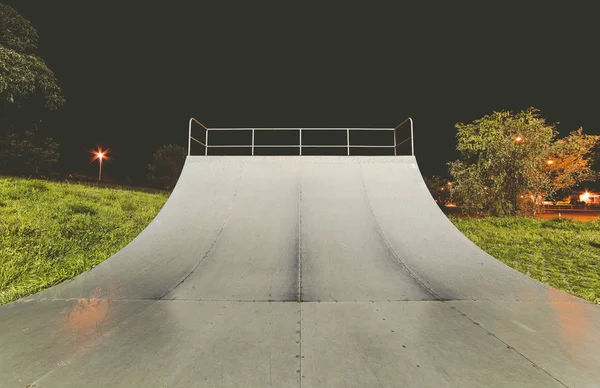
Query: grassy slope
(562,253)
(50,232)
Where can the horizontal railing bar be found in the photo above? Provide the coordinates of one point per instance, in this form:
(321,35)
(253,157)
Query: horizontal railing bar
(402,142)
(296,146)
(277,146)
(298,129)
(202,125)
(371,146)
(230,146)
(274,146)
(231,129)
(197,141)
(399,125)
(368,129)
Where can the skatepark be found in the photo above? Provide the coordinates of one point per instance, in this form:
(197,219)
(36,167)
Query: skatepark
(300,271)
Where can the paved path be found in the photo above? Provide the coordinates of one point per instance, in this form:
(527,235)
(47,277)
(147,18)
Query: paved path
(300,272)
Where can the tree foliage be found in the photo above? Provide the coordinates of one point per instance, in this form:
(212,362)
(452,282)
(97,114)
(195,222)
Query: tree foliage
(28,92)
(440,189)
(25,79)
(29,154)
(16,32)
(571,161)
(510,161)
(26,82)
(167,163)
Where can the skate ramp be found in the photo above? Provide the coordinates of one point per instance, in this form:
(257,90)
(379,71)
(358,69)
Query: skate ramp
(300,271)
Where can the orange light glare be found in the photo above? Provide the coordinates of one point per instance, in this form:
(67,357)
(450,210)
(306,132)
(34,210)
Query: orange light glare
(99,154)
(585,197)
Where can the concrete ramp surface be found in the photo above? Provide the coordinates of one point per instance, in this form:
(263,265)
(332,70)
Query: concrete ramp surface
(284,271)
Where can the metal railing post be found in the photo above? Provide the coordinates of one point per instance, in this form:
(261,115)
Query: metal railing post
(206,146)
(412,138)
(300,141)
(348,139)
(190,137)
(252,141)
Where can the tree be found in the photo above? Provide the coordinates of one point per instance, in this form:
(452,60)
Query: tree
(510,162)
(440,189)
(28,93)
(571,161)
(167,164)
(27,154)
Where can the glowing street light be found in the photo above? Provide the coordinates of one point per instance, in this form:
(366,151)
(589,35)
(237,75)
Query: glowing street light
(100,155)
(550,162)
(519,139)
(585,197)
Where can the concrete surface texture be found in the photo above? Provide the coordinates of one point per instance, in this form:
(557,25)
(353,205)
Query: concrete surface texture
(300,272)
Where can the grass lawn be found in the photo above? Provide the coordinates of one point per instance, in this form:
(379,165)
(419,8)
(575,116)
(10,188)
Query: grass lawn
(51,231)
(560,252)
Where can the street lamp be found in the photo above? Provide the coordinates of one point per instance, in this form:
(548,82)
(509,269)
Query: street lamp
(100,155)
(519,139)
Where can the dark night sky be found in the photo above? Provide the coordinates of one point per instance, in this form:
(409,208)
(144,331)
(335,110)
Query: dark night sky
(134,72)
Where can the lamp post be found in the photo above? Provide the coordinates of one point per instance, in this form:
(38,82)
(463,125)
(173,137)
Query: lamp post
(100,155)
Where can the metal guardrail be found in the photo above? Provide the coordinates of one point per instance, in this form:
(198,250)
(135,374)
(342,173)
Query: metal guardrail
(252,146)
